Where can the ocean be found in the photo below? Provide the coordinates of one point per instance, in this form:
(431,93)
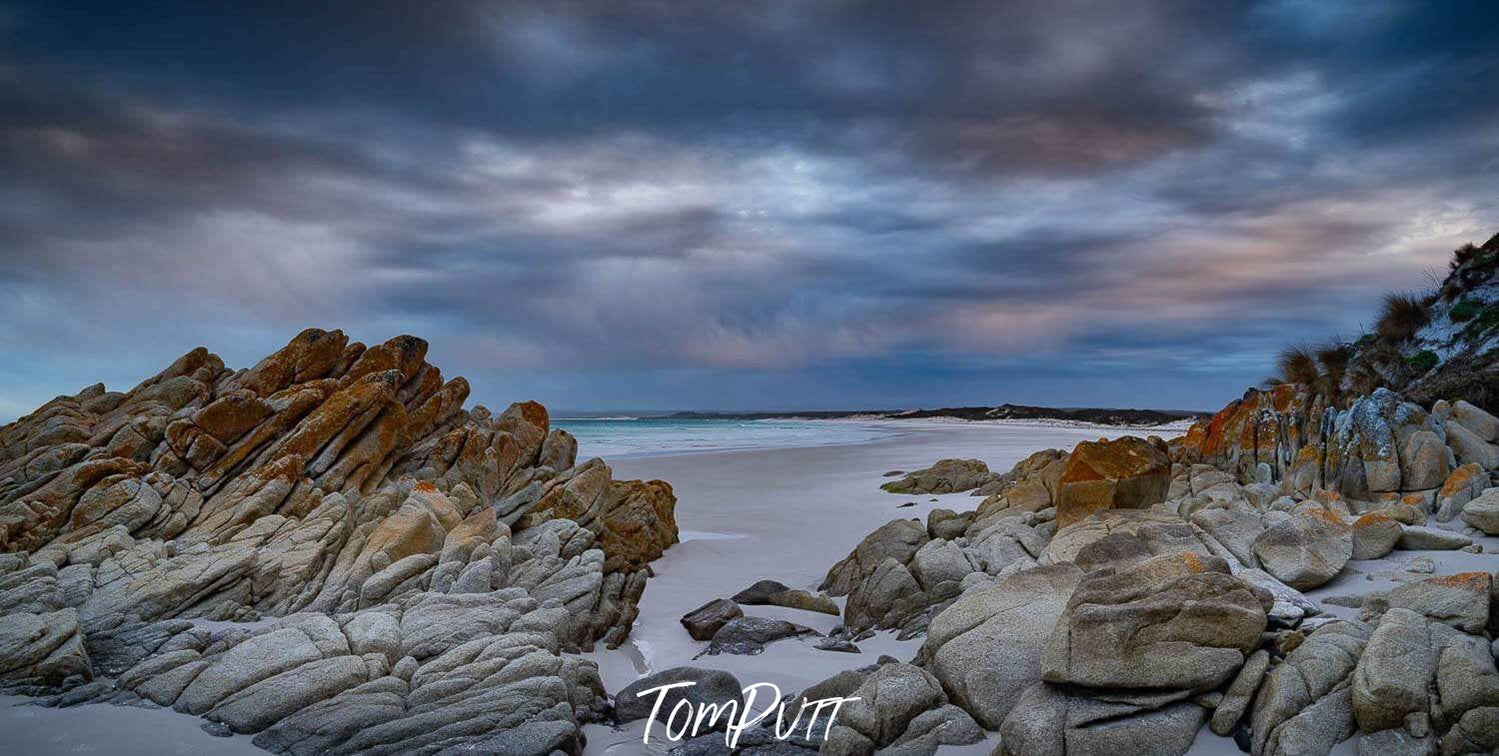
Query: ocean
(627,437)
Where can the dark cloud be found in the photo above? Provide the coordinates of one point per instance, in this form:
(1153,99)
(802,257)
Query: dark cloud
(729,204)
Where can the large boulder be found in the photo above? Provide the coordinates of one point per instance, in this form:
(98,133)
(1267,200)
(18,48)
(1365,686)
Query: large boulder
(1425,461)
(1174,622)
(1155,531)
(986,647)
(1030,486)
(708,686)
(1054,721)
(42,649)
(704,621)
(1125,473)
(897,539)
(1476,732)
(899,704)
(1234,529)
(1469,449)
(940,561)
(1482,424)
(1460,600)
(1306,702)
(1370,441)
(1307,549)
(1393,674)
(885,599)
(1374,535)
(637,523)
(946,476)
(1483,512)
(1462,486)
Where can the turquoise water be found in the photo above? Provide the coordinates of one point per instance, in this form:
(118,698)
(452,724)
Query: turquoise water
(615,438)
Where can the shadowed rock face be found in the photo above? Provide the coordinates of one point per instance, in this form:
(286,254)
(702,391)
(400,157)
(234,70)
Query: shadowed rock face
(410,546)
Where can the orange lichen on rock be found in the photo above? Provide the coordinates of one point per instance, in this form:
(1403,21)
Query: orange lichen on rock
(1126,473)
(1461,478)
(1328,516)
(1474,581)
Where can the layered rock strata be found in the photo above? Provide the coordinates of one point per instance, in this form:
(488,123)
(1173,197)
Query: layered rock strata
(408,572)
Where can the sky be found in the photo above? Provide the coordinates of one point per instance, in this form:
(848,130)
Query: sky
(768,205)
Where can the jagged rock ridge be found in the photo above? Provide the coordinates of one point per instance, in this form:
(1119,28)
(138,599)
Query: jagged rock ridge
(407,544)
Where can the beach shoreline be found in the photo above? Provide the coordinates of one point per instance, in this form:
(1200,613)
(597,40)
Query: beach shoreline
(879,429)
(788,514)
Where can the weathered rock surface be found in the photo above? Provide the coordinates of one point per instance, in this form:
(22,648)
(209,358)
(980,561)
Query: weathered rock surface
(897,539)
(1123,473)
(1030,486)
(986,647)
(1462,486)
(1420,538)
(946,476)
(1305,550)
(709,686)
(1306,702)
(1374,535)
(1178,621)
(1122,535)
(1483,512)
(1476,732)
(1053,721)
(42,649)
(427,563)
(1392,676)
(749,635)
(1378,445)
(1460,600)
(900,705)
(704,621)
(1240,692)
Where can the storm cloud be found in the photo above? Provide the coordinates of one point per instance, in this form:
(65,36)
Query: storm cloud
(637,205)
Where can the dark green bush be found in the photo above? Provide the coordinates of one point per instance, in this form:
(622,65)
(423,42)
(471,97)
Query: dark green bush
(1464,311)
(1483,324)
(1423,360)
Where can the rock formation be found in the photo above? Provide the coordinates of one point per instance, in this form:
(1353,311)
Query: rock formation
(946,476)
(1118,598)
(410,571)
(1125,473)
